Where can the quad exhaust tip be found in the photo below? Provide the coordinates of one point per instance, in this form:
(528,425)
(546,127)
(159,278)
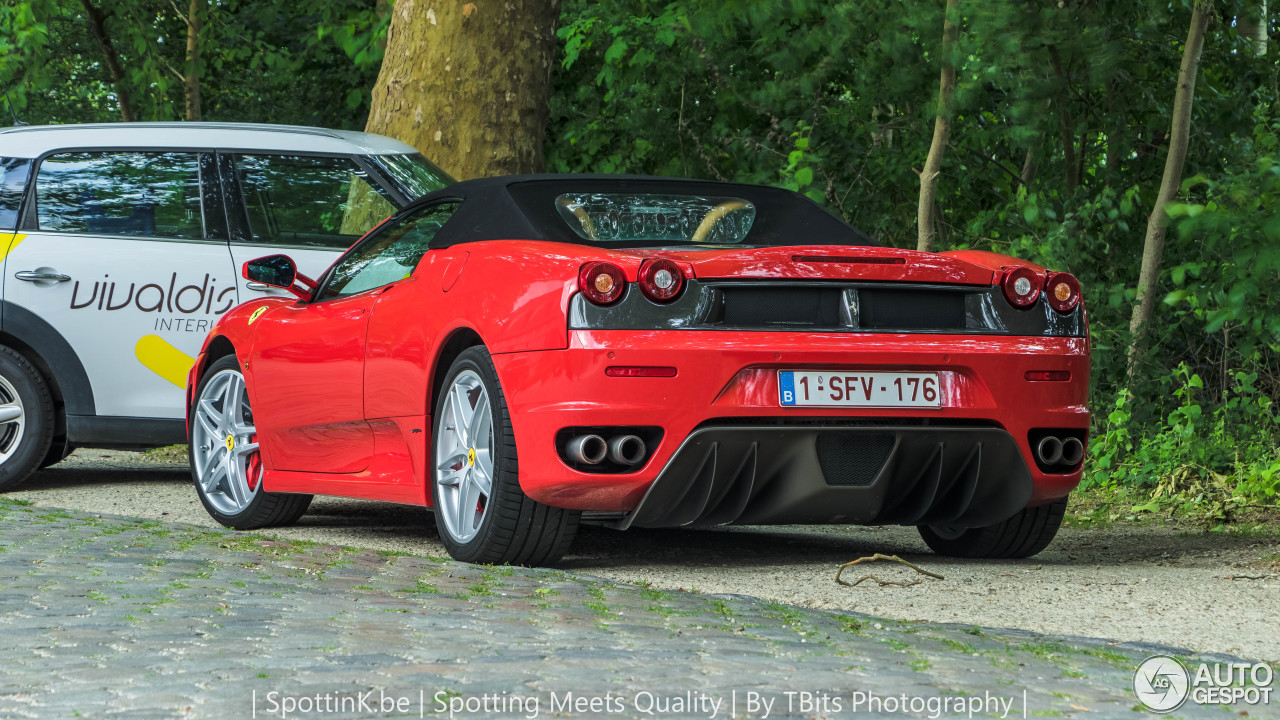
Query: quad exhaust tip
(592,449)
(1049,450)
(587,449)
(626,449)
(1054,451)
(1072,451)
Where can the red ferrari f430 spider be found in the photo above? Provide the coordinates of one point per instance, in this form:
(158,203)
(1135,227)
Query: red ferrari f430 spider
(525,354)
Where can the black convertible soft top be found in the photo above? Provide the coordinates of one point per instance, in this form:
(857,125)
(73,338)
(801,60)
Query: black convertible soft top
(523,207)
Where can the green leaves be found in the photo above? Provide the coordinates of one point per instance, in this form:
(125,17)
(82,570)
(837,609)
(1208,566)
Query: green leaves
(264,61)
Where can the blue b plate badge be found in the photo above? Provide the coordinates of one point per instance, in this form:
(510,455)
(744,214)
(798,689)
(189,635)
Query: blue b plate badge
(802,388)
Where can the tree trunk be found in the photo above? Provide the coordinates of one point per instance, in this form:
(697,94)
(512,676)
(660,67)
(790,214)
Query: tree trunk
(1029,165)
(1153,248)
(1065,123)
(191,78)
(468,83)
(1253,26)
(926,216)
(98,28)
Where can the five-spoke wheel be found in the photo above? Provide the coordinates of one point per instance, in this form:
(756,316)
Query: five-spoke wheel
(482,514)
(226,463)
(224,444)
(465,442)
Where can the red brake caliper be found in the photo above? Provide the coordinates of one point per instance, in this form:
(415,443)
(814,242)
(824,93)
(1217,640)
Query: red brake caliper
(253,466)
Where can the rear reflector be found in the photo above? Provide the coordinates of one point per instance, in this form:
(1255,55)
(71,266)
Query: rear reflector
(640,372)
(1048,375)
(843,259)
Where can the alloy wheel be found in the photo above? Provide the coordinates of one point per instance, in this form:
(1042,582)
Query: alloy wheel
(225,444)
(464,457)
(13,419)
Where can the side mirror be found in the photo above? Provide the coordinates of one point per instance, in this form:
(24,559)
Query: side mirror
(278,271)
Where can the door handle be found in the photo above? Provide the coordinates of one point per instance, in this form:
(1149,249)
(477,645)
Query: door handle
(40,276)
(260,287)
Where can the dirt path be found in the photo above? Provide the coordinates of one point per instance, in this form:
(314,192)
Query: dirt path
(1152,584)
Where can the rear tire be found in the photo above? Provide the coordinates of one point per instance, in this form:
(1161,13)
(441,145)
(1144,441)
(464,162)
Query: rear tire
(1023,535)
(26,419)
(221,444)
(482,514)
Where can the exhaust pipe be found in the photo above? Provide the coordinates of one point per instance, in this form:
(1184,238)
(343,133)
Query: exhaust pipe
(587,449)
(1049,450)
(626,449)
(1072,451)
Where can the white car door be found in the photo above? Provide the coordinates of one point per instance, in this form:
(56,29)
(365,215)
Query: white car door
(125,255)
(309,207)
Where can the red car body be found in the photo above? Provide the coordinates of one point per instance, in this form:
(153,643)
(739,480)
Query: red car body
(343,390)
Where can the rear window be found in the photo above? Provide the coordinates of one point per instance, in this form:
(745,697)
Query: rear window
(309,201)
(150,194)
(648,217)
(13,182)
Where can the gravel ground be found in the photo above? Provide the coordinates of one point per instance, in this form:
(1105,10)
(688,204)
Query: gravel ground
(1207,592)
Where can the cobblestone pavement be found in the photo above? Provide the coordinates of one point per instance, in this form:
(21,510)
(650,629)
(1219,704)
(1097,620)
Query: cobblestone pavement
(1168,584)
(104,616)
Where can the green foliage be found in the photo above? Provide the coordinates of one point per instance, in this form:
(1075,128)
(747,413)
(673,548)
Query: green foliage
(299,63)
(1208,462)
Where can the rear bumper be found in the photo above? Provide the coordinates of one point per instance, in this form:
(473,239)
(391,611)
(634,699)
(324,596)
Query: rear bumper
(836,472)
(726,381)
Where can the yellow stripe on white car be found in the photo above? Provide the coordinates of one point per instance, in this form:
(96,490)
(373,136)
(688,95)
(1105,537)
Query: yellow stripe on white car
(163,359)
(9,241)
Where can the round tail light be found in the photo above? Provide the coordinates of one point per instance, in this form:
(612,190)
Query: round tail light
(601,282)
(1063,292)
(661,280)
(1021,287)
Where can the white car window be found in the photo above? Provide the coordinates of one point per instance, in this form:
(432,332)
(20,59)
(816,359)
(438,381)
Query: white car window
(309,201)
(148,194)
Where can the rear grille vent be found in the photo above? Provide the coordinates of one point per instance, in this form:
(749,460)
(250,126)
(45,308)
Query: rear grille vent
(793,306)
(884,309)
(852,459)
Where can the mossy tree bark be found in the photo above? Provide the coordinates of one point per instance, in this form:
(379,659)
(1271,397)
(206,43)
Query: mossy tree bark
(468,83)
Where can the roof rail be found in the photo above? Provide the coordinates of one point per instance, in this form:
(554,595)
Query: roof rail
(247,127)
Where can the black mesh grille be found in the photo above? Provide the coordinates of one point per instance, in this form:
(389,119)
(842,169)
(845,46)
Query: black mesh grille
(852,459)
(755,306)
(883,309)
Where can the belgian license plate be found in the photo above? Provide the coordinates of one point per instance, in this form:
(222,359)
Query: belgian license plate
(798,388)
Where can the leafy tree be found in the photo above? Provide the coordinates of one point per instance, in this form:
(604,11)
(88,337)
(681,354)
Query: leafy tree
(251,61)
(1153,248)
(927,214)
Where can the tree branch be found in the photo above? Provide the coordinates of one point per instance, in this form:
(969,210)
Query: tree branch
(98,28)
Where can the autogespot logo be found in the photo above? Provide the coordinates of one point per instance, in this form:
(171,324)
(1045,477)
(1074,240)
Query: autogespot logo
(1161,683)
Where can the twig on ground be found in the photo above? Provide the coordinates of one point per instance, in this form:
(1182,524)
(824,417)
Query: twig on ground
(883,583)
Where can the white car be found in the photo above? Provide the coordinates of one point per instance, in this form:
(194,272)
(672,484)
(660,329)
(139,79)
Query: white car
(121,244)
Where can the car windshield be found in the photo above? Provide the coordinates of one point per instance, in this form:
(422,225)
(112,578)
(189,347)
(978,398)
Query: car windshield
(415,175)
(648,217)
